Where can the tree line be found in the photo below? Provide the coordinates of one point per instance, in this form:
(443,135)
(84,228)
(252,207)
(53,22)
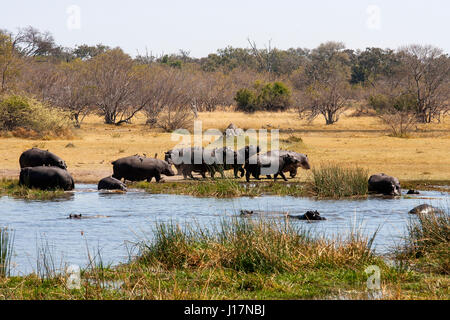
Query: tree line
(402,86)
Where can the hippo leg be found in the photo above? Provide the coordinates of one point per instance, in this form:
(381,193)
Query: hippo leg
(149,179)
(293,173)
(281,174)
(158,177)
(268,176)
(247,176)
(203,173)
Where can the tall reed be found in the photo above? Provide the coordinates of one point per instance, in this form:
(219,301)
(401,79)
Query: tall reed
(6,251)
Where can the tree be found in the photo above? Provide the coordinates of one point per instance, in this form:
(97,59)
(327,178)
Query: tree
(324,82)
(73,90)
(112,74)
(427,69)
(86,52)
(8,61)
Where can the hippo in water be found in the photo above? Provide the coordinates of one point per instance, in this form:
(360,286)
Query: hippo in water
(36,157)
(80,216)
(110,183)
(46,178)
(384,184)
(309,215)
(137,168)
(412,191)
(425,209)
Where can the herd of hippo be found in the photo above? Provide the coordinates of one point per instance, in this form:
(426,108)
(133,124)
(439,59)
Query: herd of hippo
(44,170)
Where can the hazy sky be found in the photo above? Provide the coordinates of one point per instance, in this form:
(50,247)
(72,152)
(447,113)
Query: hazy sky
(204,26)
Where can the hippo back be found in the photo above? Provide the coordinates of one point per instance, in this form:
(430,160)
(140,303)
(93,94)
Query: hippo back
(36,157)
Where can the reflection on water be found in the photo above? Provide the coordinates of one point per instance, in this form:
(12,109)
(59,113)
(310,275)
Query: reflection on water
(116,219)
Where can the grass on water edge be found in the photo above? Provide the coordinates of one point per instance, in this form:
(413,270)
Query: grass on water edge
(12,188)
(426,245)
(239,258)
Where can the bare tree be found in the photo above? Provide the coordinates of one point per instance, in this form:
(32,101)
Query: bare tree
(112,74)
(324,83)
(428,72)
(73,90)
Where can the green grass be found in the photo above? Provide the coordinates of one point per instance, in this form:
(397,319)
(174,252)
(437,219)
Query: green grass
(226,188)
(333,181)
(12,188)
(426,245)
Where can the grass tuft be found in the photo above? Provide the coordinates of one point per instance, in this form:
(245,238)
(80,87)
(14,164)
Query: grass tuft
(6,249)
(334,181)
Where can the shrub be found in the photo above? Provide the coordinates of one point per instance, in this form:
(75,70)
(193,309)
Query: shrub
(264,97)
(26,117)
(398,113)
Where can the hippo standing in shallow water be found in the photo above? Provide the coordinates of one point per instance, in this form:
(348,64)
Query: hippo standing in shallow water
(425,209)
(137,168)
(384,184)
(46,178)
(36,157)
(110,183)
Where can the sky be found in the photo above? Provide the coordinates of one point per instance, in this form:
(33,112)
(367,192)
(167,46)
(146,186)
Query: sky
(202,27)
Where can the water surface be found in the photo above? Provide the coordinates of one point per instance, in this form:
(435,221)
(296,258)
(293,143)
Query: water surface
(131,217)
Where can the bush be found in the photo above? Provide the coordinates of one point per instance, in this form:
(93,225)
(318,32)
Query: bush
(264,97)
(26,117)
(398,113)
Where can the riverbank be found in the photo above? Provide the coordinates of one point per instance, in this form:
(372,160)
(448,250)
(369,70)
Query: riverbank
(241,259)
(360,141)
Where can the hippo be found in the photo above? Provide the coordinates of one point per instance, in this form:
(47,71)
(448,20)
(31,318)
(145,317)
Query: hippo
(412,191)
(80,216)
(188,160)
(137,168)
(292,168)
(110,183)
(309,215)
(227,159)
(43,177)
(263,164)
(36,157)
(425,209)
(384,184)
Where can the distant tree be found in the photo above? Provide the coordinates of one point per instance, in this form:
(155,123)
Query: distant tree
(112,74)
(369,65)
(9,61)
(73,90)
(86,52)
(324,82)
(427,69)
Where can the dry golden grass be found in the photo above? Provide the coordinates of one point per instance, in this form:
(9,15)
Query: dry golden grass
(352,141)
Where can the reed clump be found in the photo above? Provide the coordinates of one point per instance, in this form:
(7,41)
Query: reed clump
(12,188)
(334,181)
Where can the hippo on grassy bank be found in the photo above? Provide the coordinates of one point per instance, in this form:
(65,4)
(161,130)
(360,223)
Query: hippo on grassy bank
(309,215)
(226,159)
(302,161)
(425,209)
(36,157)
(268,165)
(46,178)
(110,183)
(384,184)
(137,168)
(188,160)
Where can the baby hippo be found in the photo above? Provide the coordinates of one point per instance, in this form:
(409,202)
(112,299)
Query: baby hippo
(110,183)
